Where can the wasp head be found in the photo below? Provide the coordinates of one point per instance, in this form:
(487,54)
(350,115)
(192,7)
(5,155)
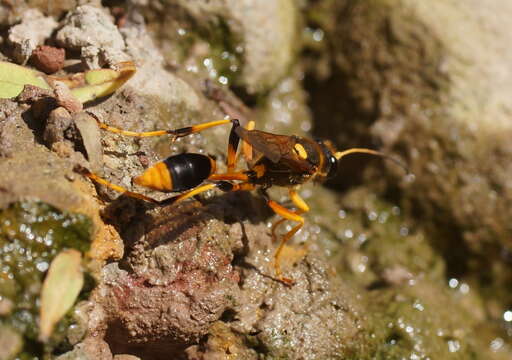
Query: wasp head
(328,167)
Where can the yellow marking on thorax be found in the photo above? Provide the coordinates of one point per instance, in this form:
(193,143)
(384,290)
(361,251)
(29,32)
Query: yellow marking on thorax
(301,151)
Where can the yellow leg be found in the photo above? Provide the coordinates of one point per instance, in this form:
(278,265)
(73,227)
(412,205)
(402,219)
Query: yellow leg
(243,187)
(287,215)
(228,186)
(177,133)
(99,180)
(298,202)
(229,177)
(246,147)
(188,194)
(223,185)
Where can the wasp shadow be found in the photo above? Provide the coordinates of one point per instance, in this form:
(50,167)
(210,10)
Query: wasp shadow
(153,225)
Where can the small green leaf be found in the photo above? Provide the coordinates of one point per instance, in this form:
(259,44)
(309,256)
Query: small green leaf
(14,77)
(60,290)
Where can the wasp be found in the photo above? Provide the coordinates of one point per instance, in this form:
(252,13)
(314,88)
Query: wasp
(272,160)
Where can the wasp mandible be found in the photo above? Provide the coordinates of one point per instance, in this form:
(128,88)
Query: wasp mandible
(272,160)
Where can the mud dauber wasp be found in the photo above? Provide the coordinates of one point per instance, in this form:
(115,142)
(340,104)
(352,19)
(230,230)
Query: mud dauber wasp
(272,160)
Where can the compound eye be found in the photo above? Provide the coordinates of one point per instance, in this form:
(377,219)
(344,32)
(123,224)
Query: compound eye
(333,167)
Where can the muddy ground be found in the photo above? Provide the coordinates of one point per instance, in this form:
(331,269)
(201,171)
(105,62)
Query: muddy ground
(389,265)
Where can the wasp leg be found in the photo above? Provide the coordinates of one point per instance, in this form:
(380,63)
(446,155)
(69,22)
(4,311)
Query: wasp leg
(222,185)
(246,147)
(227,186)
(188,194)
(229,177)
(177,133)
(298,202)
(288,215)
(99,180)
(233,142)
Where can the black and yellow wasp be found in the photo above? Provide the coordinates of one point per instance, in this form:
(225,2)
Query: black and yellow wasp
(272,160)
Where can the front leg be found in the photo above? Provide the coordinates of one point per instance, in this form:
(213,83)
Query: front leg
(287,215)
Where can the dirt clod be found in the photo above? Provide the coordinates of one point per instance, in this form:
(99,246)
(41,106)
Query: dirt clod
(48,59)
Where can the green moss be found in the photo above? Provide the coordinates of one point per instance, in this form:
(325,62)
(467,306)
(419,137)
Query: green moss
(419,322)
(31,235)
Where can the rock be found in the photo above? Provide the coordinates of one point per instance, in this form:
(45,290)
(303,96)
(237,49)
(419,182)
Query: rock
(10,13)
(91,31)
(180,282)
(32,94)
(316,318)
(58,122)
(151,78)
(89,349)
(34,29)
(11,343)
(222,343)
(269,33)
(258,39)
(65,98)
(8,126)
(48,59)
(32,171)
(126,357)
(90,134)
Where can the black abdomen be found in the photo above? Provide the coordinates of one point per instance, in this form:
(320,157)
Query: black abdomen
(188,170)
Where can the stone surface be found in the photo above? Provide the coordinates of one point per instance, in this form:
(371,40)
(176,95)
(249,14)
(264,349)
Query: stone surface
(33,30)
(91,31)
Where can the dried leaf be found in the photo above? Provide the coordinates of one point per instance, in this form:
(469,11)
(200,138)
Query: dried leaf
(14,77)
(103,82)
(60,290)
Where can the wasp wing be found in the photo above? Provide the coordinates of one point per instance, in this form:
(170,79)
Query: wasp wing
(272,146)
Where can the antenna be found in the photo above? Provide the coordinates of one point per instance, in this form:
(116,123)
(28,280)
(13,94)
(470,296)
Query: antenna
(339,154)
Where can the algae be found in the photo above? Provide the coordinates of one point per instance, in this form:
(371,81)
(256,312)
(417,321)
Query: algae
(31,235)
